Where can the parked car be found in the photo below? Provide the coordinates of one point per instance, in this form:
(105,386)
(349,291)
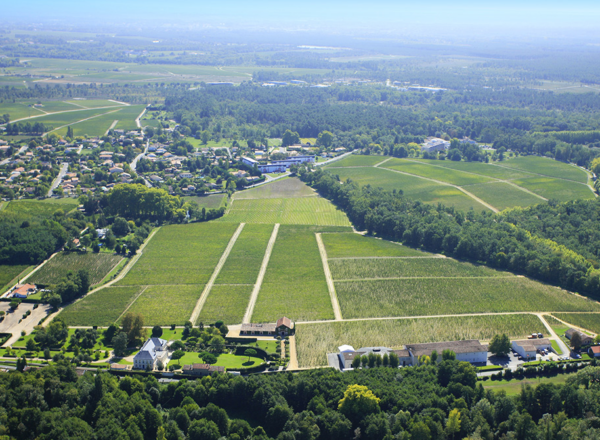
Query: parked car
(540,335)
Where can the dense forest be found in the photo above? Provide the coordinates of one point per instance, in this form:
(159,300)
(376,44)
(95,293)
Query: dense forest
(547,252)
(428,402)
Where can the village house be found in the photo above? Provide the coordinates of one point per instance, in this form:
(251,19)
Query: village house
(585,339)
(153,351)
(594,351)
(283,327)
(24,290)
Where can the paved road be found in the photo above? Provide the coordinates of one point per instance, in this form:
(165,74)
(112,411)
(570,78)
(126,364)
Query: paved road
(11,323)
(139,156)
(261,275)
(21,150)
(63,170)
(554,336)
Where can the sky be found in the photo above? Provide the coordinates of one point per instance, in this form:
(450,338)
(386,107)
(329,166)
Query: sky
(364,16)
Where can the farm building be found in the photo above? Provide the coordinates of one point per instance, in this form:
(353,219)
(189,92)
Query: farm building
(469,351)
(283,327)
(528,348)
(585,339)
(24,290)
(595,351)
(202,369)
(153,350)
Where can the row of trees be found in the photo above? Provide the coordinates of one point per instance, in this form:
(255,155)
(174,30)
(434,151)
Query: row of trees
(481,237)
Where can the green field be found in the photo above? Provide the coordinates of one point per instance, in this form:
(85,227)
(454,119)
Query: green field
(18,110)
(514,387)
(55,269)
(181,254)
(37,209)
(280,189)
(165,305)
(483,169)
(562,190)
(366,268)
(226,303)
(314,341)
(125,115)
(547,167)
(447,175)
(94,103)
(503,195)
(8,273)
(208,202)
(59,119)
(298,211)
(349,245)
(294,285)
(227,360)
(245,259)
(588,321)
(357,161)
(100,308)
(422,296)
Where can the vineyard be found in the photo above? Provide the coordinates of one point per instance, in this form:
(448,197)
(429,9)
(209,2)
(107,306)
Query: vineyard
(98,265)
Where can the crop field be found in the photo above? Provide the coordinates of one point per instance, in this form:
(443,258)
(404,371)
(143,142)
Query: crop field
(127,117)
(8,273)
(357,161)
(208,202)
(101,308)
(294,284)
(454,177)
(299,211)
(588,321)
(503,195)
(18,110)
(55,269)
(181,254)
(226,303)
(483,169)
(165,305)
(314,341)
(280,189)
(558,327)
(369,268)
(94,103)
(34,208)
(351,245)
(245,259)
(56,120)
(93,127)
(547,167)
(562,190)
(416,297)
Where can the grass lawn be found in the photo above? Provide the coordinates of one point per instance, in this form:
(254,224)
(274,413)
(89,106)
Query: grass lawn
(101,308)
(280,189)
(98,266)
(314,341)
(226,303)
(406,297)
(268,346)
(229,361)
(558,327)
(513,387)
(181,254)
(294,285)
(556,347)
(588,321)
(503,195)
(294,211)
(356,245)
(165,305)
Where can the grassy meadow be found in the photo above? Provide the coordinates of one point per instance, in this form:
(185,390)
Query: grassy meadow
(55,269)
(314,341)
(37,209)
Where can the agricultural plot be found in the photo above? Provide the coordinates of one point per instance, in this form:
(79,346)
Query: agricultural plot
(245,259)
(314,341)
(59,119)
(208,202)
(483,169)
(93,127)
(294,284)
(100,308)
(226,303)
(561,190)
(547,167)
(19,110)
(95,103)
(181,254)
(421,297)
(55,269)
(357,161)
(36,209)
(8,273)
(127,117)
(299,211)
(455,177)
(352,245)
(503,195)
(280,189)
(369,268)
(588,321)
(165,305)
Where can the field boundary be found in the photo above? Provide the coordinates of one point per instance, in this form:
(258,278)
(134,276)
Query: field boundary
(81,120)
(215,274)
(437,256)
(131,303)
(350,280)
(261,275)
(337,312)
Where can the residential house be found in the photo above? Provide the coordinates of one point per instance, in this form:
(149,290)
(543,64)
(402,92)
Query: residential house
(24,290)
(585,339)
(153,350)
(594,351)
